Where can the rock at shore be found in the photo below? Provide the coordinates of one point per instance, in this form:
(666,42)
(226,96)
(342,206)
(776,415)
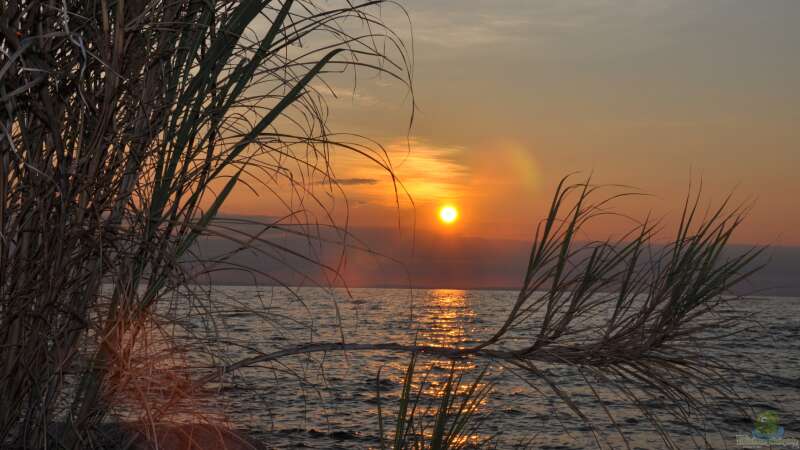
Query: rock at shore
(194,437)
(172,436)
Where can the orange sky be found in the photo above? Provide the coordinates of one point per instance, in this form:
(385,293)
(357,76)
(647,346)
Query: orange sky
(513,95)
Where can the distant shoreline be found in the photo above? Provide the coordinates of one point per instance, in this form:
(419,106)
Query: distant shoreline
(425,287)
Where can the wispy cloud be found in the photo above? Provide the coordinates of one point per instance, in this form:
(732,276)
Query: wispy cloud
(356,181)
(465,30)
(427,172)
(469,23)
(332,92)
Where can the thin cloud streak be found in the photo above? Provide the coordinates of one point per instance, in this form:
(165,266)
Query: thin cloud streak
(461,25)
(355,181)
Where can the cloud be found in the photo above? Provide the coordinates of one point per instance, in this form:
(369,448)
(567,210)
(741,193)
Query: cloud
(470,23)
(332,92)
(427,172)
(467,30)
(356,181)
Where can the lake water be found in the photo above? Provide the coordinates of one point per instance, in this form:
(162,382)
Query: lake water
(330,400)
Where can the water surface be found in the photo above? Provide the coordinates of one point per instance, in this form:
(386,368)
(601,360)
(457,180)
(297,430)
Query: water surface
(330,400)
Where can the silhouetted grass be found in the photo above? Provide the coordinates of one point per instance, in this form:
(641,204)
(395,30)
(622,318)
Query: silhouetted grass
(452,423)
(127,125)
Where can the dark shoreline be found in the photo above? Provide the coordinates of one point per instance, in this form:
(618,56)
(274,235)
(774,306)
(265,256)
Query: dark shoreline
(169,436)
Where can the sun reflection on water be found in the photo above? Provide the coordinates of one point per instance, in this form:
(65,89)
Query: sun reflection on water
(446,321)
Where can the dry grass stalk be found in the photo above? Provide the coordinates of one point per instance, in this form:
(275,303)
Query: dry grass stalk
(124,126)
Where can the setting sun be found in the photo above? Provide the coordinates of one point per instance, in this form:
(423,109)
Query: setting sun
(448,214)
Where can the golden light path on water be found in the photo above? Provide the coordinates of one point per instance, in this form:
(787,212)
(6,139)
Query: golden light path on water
(445,323)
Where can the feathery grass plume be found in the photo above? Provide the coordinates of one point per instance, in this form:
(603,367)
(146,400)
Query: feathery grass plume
(632,316)
(125,127)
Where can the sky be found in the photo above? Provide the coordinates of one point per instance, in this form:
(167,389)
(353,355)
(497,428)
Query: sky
(512,95)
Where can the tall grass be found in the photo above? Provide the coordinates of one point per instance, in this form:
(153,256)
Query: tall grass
(125,127)
(452,423)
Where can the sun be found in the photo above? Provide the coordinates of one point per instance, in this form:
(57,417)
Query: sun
(448,214)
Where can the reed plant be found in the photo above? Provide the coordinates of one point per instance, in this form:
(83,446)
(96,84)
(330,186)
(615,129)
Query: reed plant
(452,422)
(125,127)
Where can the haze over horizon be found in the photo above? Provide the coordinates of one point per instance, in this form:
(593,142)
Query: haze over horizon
(513,95)
(380,257)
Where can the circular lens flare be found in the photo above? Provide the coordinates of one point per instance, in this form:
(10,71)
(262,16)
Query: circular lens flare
(448,214)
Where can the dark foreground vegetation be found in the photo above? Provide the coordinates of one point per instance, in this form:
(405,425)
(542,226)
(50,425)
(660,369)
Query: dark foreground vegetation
(125,125)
